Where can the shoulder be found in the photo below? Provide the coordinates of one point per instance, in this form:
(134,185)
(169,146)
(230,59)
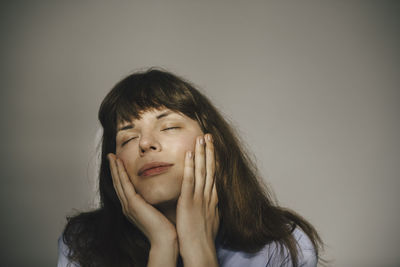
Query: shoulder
(63,252)
(306,252)
(271,255)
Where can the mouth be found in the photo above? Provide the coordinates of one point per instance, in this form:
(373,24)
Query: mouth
(155,170)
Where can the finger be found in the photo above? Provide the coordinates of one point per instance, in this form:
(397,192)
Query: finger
(199,167)
(187,189)
(134,202)
(126,184)
(133,199)
(116,180)
(214,195)
(210,167)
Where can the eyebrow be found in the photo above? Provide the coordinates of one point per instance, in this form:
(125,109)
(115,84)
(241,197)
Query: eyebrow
(131,125)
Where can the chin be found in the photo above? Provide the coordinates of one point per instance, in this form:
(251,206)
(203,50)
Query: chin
(159,199)
(161,193)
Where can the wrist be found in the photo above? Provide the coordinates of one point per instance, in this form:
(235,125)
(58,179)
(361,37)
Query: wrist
(164,244)
(163,254)
(169,239)
(199,255)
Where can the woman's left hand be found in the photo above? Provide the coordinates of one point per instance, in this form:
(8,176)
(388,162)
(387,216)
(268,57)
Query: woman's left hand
(197,218)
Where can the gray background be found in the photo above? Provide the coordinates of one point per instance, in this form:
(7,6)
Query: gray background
(312,87)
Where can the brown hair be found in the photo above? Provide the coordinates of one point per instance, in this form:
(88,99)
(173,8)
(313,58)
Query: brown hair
(249,218)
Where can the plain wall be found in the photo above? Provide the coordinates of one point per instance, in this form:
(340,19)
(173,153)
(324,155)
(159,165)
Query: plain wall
(312,87)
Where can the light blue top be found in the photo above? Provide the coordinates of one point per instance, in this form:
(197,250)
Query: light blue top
(268,256)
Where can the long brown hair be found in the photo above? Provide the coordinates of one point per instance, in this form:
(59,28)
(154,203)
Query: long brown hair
(249,217)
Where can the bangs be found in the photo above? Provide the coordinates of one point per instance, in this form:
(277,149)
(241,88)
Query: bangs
(132,109)
(138,93)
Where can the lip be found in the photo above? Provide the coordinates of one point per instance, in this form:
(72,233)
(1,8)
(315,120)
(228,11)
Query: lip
(151,165)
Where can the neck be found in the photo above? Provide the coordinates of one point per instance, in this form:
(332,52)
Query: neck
(169,210)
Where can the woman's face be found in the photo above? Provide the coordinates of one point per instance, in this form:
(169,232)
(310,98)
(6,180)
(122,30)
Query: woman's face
(159,136)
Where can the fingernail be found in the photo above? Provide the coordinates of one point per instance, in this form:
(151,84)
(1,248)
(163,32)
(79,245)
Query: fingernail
(209,137)
(189,154)
(201,141)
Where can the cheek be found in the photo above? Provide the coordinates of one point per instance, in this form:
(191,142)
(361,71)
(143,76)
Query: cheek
(129,159)
(126,155)
(177,151)
(185,143)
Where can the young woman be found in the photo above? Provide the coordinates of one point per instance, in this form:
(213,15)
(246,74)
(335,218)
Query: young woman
(177,189)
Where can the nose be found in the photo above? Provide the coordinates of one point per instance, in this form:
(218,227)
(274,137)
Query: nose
(148,143)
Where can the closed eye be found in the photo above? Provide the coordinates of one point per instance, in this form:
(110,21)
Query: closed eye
(170,128)
(127,141)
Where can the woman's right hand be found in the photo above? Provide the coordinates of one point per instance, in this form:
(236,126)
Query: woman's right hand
(153,224)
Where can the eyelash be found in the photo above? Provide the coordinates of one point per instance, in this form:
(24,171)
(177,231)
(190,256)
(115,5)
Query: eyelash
(169,128)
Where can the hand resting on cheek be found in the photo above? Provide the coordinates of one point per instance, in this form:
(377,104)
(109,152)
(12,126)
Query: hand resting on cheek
(197,218)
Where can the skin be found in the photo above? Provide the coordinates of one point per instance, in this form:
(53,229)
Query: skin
(176,210)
